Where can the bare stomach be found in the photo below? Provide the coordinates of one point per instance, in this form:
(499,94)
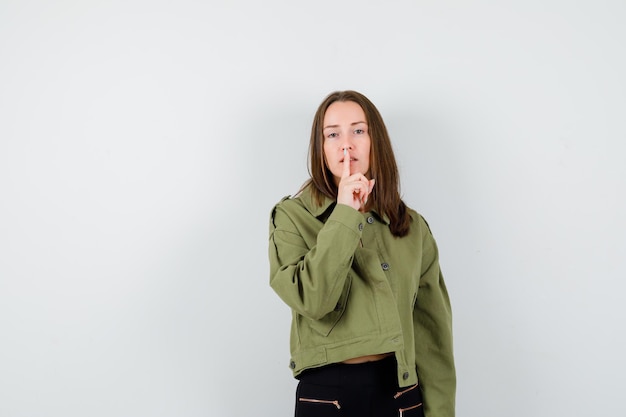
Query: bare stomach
(367,358)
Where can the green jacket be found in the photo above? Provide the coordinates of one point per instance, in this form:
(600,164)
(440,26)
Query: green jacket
(354,289)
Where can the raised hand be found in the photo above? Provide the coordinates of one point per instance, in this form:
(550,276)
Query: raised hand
(353,189)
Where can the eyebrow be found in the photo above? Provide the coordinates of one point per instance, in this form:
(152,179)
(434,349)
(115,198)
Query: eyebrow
(351,124)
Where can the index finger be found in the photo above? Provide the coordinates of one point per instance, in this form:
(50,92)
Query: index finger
(346,164)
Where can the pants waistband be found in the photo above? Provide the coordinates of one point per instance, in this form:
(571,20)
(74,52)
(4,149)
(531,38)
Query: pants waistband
(382,372)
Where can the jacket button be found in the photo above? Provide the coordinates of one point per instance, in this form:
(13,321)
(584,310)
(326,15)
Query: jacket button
(361,227)
(292,365)
(405,376)
(385,266)
(370,220)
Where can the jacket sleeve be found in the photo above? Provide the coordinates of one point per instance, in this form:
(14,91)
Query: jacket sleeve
(432,318)
(310,276)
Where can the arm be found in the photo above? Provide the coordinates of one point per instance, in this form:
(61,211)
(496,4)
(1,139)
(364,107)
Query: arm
(310,276)
(432,318)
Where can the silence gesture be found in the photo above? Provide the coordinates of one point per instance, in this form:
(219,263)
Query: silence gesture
(353,190)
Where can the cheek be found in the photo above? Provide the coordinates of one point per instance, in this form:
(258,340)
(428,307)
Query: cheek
(368,152)
(327,158)
(327,161)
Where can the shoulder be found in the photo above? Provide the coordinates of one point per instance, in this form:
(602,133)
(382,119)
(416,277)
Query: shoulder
(288,213)
(419,221)
(306,203)
(284,204)
(288,204)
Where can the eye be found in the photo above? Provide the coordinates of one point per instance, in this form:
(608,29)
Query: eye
(332,135)
(359,131)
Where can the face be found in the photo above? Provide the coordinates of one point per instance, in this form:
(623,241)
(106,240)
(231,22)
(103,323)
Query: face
(345,126)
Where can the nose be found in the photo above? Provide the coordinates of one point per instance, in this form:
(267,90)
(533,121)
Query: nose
(346,144)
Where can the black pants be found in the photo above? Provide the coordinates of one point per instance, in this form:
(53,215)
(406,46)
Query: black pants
(362,390)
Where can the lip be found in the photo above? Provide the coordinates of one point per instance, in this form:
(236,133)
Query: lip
(351,160)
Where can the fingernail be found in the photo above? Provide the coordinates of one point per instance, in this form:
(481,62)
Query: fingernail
(345,151)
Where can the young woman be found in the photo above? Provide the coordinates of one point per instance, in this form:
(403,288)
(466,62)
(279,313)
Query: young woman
(371,331)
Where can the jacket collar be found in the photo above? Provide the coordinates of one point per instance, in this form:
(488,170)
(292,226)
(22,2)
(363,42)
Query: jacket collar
(308,201)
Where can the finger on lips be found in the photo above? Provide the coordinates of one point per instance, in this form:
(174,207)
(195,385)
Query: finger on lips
(346,163)
(359,185)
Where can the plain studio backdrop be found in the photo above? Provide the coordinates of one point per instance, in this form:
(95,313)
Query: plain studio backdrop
(144,143)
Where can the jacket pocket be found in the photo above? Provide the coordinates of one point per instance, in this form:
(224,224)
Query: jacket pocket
(326,324)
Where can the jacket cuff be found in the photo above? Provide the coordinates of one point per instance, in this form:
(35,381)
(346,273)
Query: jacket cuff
(348,217)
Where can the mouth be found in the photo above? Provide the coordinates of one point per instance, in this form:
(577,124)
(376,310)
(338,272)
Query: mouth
(351,160)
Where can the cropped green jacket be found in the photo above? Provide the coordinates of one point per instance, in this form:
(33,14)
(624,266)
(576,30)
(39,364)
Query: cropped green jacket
(355,289)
